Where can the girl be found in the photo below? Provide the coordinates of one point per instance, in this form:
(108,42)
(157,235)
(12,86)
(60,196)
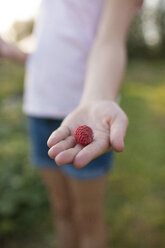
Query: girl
(73,78)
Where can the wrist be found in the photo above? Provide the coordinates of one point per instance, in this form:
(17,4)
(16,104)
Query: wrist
(104,75)
(99,96)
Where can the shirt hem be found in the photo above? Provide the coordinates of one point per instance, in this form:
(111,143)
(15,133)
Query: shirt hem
(47,114)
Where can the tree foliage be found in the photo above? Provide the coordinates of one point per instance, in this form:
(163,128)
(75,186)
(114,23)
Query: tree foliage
(138,46)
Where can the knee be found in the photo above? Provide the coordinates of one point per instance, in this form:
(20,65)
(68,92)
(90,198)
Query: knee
(88,221)
(62,211)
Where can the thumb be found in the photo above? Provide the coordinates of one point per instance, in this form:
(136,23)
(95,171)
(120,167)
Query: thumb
(118,132)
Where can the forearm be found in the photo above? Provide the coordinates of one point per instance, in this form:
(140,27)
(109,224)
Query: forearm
(107,60)
(10,51)
(21,57)
(16,54)
(105,71)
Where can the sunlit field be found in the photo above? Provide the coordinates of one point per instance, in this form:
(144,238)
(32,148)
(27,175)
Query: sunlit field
(135,195)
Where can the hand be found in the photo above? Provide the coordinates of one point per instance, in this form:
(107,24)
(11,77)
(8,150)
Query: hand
(3,48)
(109,124)
(10,51)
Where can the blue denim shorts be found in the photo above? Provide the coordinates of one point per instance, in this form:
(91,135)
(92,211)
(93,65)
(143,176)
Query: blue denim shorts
(40,130)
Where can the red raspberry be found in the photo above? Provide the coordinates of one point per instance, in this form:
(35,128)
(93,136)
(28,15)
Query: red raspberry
(83,135)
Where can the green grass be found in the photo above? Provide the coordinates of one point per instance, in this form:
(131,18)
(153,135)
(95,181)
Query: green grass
(135,197)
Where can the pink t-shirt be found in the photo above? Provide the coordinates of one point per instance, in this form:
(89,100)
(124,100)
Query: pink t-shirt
(55,72)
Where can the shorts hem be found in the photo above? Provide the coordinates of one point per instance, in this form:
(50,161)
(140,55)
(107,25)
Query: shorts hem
(87,177)
(44,164)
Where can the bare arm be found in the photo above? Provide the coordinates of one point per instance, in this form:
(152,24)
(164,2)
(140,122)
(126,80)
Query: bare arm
(98,108)
(108,57)
(12,52)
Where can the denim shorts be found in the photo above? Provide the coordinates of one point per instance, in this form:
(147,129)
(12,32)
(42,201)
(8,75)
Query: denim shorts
(40,130)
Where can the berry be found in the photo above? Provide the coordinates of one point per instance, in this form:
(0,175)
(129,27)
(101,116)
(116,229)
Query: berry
(83,135)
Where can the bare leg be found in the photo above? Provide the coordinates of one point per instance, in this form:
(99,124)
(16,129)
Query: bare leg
(61,204)
(89,203)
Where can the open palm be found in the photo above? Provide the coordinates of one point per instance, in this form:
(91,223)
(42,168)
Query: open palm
(109,124)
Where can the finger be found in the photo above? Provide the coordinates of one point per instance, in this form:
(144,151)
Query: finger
(88,153)
(67,157)
(118,132)
(61,146)
(59,134)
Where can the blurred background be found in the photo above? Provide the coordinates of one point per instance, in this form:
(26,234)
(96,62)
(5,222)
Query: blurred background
(135,197)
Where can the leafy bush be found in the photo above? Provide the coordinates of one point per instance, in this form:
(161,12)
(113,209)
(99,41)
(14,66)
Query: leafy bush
(21,30)
(23,200)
